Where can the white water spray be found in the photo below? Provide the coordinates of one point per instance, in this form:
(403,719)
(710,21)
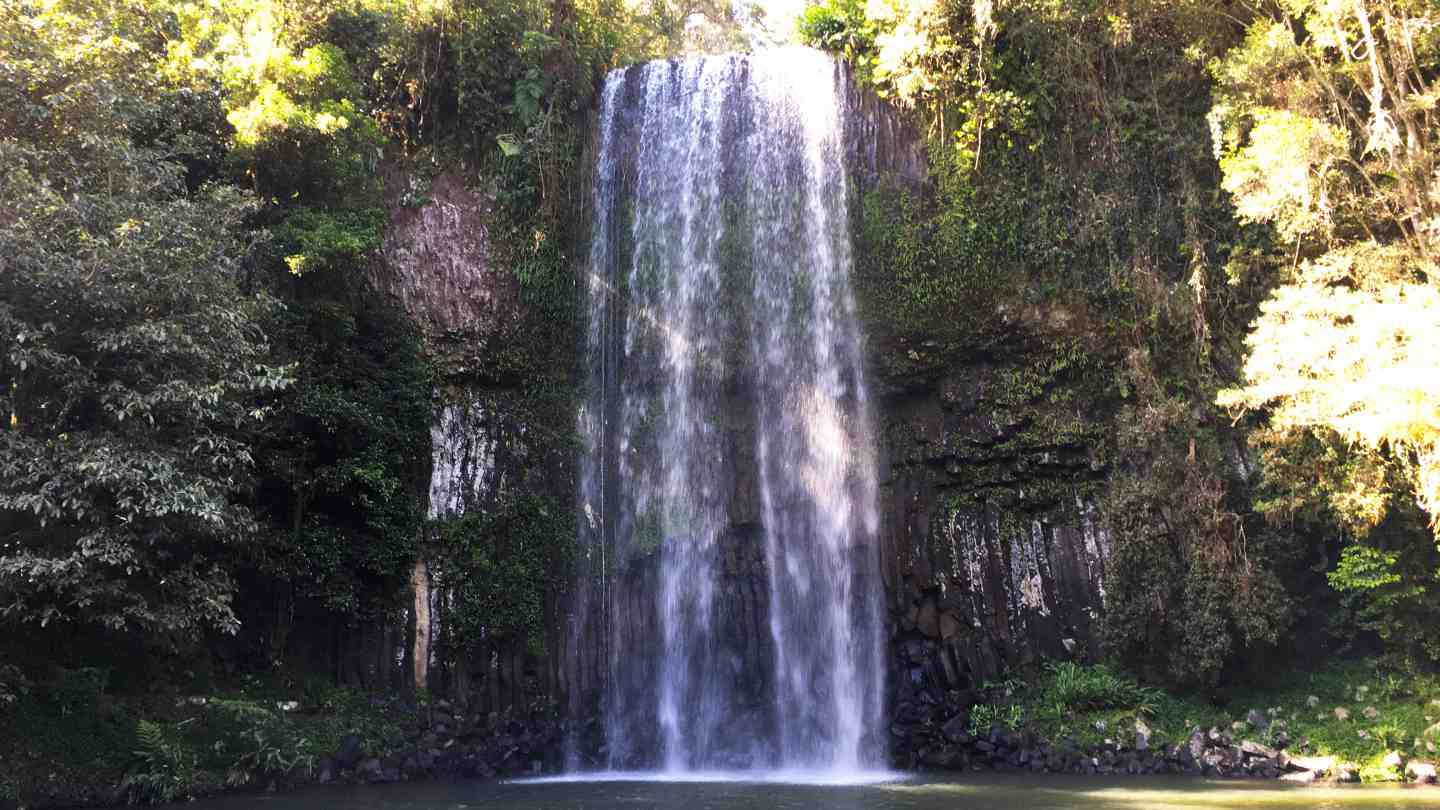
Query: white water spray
(722,348)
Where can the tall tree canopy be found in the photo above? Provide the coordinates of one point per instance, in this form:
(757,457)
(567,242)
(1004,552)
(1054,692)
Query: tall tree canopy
(1327,132)
(134,369)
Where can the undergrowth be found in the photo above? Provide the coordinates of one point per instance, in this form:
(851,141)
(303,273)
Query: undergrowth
(1355,711)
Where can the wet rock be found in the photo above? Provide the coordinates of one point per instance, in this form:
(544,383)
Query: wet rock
(1302,777)
(1393,759)
(927,619)
(1347,772)
(950,626)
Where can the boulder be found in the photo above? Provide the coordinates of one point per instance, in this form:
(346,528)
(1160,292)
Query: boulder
(325,770)
(950,626)
(349,752)
(369,769)
(1320,766)
(1302,777)
(1347,772)
(927,619)
(1393,759)
(1423,772)
(1254,749)
(1142,735)
(957,728)
(1257,719)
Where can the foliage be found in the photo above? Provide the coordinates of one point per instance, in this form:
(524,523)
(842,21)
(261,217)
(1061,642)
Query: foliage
(1394,593)
(842,27)
(1298,705)
(985,716)
(258,741)
(1324,128)
(165,769)
(1070,216)
(291,106)
(14,685)
(135,366)
(77,691)
(1075,687)
(498,565)
(345,504)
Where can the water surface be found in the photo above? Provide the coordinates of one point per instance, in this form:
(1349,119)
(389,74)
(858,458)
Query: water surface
(986,792)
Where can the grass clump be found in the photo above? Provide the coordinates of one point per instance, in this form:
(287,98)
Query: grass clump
(1070,687)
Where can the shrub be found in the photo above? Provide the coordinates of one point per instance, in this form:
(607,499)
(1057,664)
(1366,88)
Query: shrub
(1072,687)
(985,716)
(166,767)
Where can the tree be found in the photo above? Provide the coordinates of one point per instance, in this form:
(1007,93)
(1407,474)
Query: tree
(1327,132)
(133,369)
(1326,129)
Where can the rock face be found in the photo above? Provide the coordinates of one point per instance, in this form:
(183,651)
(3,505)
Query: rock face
(442,266)
(435,262)
(990,544)
(994,549)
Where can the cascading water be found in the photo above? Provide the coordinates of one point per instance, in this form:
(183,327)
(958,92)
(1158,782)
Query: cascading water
(726,412)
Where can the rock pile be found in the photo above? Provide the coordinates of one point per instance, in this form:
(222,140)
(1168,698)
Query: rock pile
(950,745)
(452,743)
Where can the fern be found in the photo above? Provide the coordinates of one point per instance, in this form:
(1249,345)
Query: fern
(165,767)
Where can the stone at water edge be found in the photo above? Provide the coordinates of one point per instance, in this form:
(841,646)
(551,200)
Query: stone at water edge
(1393,759)
(1320,766)
(1197,745)
(1347,772)
(1254,749)
(350,751)
(1423,772)
(1142,735)
(957,728)
(1302,777)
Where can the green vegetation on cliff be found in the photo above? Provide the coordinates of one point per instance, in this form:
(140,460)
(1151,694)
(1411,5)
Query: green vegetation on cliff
(1222,211)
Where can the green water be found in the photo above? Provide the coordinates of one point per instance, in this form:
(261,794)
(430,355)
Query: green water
(987,793)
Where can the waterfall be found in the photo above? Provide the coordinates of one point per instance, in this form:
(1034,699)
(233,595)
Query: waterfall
(725,429)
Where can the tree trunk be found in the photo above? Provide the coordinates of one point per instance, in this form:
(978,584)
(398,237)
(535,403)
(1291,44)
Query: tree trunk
(420,655)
